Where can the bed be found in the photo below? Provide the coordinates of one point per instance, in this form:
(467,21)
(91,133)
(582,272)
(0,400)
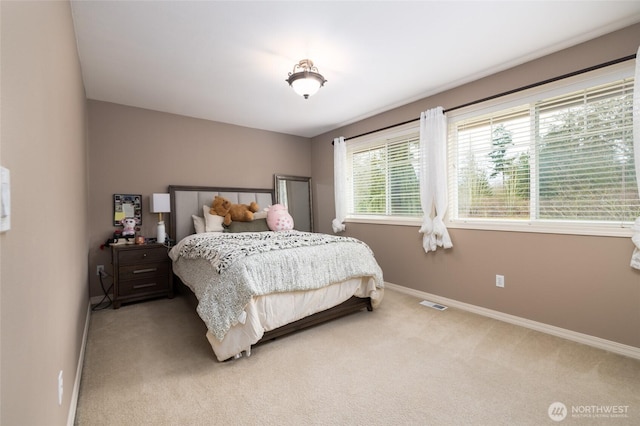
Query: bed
(253,285)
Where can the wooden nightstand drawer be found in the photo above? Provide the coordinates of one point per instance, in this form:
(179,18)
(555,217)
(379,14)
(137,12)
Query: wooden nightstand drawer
(140,255)
(140,272)
(144,286)
(143,270)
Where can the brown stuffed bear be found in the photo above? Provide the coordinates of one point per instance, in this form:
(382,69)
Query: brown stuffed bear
(238,212)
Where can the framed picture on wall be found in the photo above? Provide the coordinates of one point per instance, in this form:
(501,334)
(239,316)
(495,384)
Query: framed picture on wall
(127,205)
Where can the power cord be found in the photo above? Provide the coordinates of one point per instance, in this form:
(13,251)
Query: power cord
(106,300)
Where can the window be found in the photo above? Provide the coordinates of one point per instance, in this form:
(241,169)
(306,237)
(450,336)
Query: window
(382,174)
(560,160)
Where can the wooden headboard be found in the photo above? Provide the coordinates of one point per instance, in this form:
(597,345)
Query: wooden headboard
(188,200)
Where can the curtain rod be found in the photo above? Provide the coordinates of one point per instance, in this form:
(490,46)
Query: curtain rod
(508,92)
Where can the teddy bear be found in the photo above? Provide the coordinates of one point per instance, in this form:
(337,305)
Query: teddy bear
(278,218)
(230,211)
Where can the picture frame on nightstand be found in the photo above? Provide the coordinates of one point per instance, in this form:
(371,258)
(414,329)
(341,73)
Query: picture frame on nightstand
(127,205)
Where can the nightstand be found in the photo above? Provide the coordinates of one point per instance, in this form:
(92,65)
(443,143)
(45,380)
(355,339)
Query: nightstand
(140,272)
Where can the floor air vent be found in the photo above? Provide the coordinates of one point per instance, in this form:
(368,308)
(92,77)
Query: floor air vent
(433,305)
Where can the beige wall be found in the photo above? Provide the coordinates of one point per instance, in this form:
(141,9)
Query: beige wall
(43,258)
(139,151)
(578,283)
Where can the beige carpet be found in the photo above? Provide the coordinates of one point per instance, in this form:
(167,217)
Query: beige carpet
(403,364)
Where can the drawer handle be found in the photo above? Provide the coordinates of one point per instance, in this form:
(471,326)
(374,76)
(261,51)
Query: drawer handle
(144,271)
(144,285)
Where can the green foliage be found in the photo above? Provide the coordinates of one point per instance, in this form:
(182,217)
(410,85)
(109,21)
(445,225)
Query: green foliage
(386,180)
(501,141)
(404,184)
(586,163)
(369,177)
(481,195)
(473,188)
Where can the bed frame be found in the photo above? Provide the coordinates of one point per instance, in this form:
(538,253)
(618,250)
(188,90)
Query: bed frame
(188,200)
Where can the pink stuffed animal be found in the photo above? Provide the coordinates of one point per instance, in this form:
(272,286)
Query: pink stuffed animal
(278,218)
(129,225)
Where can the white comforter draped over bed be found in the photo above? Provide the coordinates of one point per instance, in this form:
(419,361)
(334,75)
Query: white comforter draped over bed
(233,268)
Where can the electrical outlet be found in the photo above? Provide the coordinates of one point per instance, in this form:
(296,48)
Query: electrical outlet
(500,281)
(99,270)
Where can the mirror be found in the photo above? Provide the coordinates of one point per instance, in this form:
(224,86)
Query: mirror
(127,205)
(295,193)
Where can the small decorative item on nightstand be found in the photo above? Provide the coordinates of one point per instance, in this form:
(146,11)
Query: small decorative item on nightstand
(141,271)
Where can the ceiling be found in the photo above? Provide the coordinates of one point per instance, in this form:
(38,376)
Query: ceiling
(227,61)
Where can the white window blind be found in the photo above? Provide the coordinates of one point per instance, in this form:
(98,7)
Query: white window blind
(382,175)
(566,158)
(493,165)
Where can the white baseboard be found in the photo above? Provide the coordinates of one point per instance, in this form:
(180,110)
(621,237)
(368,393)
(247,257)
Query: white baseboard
(607,345)
(76,385)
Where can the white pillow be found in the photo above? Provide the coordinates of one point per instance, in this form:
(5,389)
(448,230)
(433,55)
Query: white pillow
(198,223)
(212,222)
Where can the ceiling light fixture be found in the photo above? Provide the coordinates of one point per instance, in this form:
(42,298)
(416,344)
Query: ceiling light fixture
(305,78)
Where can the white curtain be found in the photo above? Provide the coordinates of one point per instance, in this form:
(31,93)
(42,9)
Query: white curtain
(433,179)
(635,257)
(340,183)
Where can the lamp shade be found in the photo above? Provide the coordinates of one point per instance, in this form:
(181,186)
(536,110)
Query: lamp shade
(160,203)
(306,84)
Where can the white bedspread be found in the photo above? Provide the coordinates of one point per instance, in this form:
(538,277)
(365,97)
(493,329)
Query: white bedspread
(223,295)
(265,313)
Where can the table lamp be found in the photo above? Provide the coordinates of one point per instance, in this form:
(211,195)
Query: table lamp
(160,203)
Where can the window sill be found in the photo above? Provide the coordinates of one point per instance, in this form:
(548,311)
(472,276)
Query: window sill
(570,228)
(623,231)
(385,220)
